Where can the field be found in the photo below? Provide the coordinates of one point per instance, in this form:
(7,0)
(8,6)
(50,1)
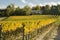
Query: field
(32,17)
(14,26)
(30,23)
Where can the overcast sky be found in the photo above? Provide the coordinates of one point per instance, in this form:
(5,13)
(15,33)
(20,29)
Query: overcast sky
(22,3)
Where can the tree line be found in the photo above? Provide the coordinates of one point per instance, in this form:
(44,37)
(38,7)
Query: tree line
(27,10)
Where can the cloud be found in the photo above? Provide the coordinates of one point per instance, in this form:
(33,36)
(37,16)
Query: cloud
(24,1)
(2,7)
(58,2)
(31,4)
(15,6)
(51,3)
(28,3)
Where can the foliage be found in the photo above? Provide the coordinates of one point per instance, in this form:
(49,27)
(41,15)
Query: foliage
(27,10)
(47,10)
(30,24)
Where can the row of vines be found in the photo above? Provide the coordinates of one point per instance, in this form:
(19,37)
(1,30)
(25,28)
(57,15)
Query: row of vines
(20,30)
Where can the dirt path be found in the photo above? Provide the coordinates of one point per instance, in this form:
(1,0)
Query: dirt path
(2,18)
(55,35)
(58,34)
(44,34)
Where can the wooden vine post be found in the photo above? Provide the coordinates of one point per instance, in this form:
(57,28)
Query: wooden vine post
(23,31)
(0,32)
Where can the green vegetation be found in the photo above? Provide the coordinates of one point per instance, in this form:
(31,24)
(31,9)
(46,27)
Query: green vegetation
(27,10)
(34,20)
(17,21)
(58,20)
(33,25)
(27,18)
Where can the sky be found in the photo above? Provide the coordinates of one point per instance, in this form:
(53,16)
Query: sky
(22,3)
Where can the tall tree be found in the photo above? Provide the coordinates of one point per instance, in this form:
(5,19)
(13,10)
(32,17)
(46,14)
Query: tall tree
(58,9)
(38,7)
(10,9)
(47,9)
(54,10)
(27,10)
(17,11)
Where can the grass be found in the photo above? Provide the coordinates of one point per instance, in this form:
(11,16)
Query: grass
(58,20)
(32,17)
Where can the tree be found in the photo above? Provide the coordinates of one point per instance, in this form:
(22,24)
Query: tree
(17,11)
(47,9)
(54,10)
(37,7)
(43,9)
(27,10)
(58,9)
(10,9)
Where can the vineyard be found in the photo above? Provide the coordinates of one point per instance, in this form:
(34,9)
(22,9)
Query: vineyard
(25,25)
